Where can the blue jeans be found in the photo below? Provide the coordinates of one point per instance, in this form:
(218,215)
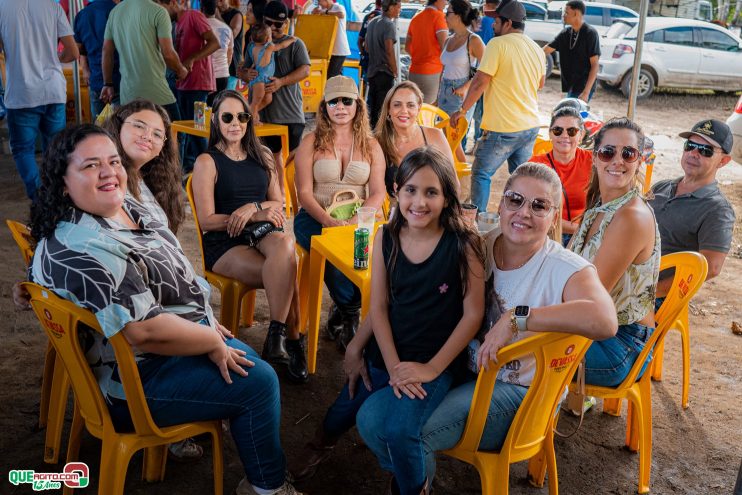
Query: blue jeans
(392,427)
(478,113)
(446,425)
(341,416)
(182,389)
(450,102)
(608,362)
(343,292)
(24,126)
(493,148)
(190,146)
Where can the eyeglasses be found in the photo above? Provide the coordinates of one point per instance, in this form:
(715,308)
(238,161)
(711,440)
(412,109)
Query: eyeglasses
(629,154)
(143,129)
(514,201)
(271,23)
(705,150)
(344,99)
(571,131)
(243,117)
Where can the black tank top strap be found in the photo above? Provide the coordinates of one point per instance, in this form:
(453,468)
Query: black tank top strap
(237,183)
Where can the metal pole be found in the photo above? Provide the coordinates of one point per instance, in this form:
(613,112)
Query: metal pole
(74,9)
(643,9)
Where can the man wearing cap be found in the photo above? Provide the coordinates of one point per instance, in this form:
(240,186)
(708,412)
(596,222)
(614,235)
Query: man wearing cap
(292,65)
(381,36)
(512,71)
(691,211)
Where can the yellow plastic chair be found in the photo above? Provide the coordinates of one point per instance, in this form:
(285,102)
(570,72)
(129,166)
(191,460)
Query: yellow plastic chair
(682,326)
(61,320)
(557,357)
(303,255)
(430,116)
(454,136)
(690,273)
(541,146)
(54,382)
(232,290)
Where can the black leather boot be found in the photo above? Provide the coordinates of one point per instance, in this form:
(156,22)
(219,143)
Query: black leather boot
(351,319)
(274,347)
(297,368)
(334,323)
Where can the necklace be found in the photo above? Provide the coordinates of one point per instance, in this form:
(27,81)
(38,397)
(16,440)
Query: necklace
(573,42)
(502,257)
(237,158)
(405,139)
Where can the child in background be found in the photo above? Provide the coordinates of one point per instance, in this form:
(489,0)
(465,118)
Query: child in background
(261,50)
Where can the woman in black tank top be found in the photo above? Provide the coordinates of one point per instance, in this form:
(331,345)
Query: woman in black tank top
(399,133)
(234,185)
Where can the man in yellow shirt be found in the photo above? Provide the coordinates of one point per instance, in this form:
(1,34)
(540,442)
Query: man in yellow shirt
(512,71)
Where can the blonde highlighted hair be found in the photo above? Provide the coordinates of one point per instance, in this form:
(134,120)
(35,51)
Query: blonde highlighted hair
(545,174)
(324,132)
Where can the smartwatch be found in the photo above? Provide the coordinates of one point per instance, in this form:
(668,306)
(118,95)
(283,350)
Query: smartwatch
(521,314)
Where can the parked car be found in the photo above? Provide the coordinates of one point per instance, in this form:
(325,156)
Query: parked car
(680,53)
(735,123)
(598,14)
(405,16)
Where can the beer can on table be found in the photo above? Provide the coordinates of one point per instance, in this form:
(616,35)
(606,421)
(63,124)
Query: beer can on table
(360,249)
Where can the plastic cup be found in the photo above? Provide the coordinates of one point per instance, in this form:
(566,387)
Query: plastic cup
(366,218)
(487,221)
(470,214)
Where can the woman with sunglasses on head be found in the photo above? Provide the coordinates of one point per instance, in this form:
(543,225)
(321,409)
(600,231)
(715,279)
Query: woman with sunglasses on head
(235,186)
(339,155)
(619,235)
(561,285)
(399,133)
(572,163)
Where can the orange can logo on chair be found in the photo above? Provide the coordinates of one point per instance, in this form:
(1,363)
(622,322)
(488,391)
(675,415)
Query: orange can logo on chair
(55,328)
(560,364)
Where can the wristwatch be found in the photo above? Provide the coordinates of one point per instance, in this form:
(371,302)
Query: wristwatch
(520,314)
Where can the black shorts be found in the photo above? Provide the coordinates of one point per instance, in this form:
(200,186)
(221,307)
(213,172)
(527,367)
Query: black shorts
(295,132)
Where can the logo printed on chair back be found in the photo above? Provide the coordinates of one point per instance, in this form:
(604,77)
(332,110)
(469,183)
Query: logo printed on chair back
(53,326)
(559,364)
(683,286)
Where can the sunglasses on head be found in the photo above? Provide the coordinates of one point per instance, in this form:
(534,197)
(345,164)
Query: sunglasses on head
(705,150)
(242,117)
(571,131)
(276,24)
(344,99)
(629,154)
(514,201)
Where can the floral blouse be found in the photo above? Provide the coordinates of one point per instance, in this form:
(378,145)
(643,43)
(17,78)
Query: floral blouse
(634,292)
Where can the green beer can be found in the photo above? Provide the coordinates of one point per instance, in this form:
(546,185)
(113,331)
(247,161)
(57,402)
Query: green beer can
(360,249)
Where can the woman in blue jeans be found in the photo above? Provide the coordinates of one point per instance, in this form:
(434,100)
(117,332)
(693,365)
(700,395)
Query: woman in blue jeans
(106,253)
(564,285)
(339,157)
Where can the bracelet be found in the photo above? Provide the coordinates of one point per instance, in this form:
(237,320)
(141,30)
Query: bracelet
(257,206)
(513,323)
(107,85)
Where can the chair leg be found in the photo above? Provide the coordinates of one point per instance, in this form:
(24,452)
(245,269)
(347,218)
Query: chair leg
(632,427)
(537,469)
(218,459)
(495,481)
(303,271)
(154,463)
(551,463)
(57,405)
(659,353)
(248,308)
(114,462)
(73,446)
(685,343)
(46,384)
(644,417)
(612,407)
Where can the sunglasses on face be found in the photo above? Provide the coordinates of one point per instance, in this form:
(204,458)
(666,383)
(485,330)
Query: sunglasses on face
(629,154)
(275,24)
(344,100)
(571,131)
(242,117)
(705,150)
(514,201)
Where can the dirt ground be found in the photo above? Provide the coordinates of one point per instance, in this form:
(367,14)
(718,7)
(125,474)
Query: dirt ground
(695,451)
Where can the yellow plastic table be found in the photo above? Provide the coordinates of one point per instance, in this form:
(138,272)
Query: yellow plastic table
(334,245)
(262,130)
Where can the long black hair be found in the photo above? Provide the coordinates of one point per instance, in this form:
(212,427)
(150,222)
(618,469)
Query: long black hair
(52,204)
(451,218)
(250,143)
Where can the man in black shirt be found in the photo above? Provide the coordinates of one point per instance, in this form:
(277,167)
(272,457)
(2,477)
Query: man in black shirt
(579,51)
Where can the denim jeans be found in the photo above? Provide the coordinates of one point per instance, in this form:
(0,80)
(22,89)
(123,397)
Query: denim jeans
(343,292)
(190,146)
(607,362)
(478,113)
(24,126)
(493,148)
(182,389)
(446,425)
(450,102)
(392,427)
(341,416)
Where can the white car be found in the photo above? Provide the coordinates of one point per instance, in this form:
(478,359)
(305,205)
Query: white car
(405,16)
(681,53)
(735,123)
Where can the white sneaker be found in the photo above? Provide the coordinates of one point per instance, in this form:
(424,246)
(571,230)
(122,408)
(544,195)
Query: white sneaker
(245,488)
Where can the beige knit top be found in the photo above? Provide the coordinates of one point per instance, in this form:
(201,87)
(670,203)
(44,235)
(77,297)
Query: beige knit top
(329,178)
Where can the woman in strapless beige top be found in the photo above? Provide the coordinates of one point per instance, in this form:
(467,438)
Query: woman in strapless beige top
(339,155)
